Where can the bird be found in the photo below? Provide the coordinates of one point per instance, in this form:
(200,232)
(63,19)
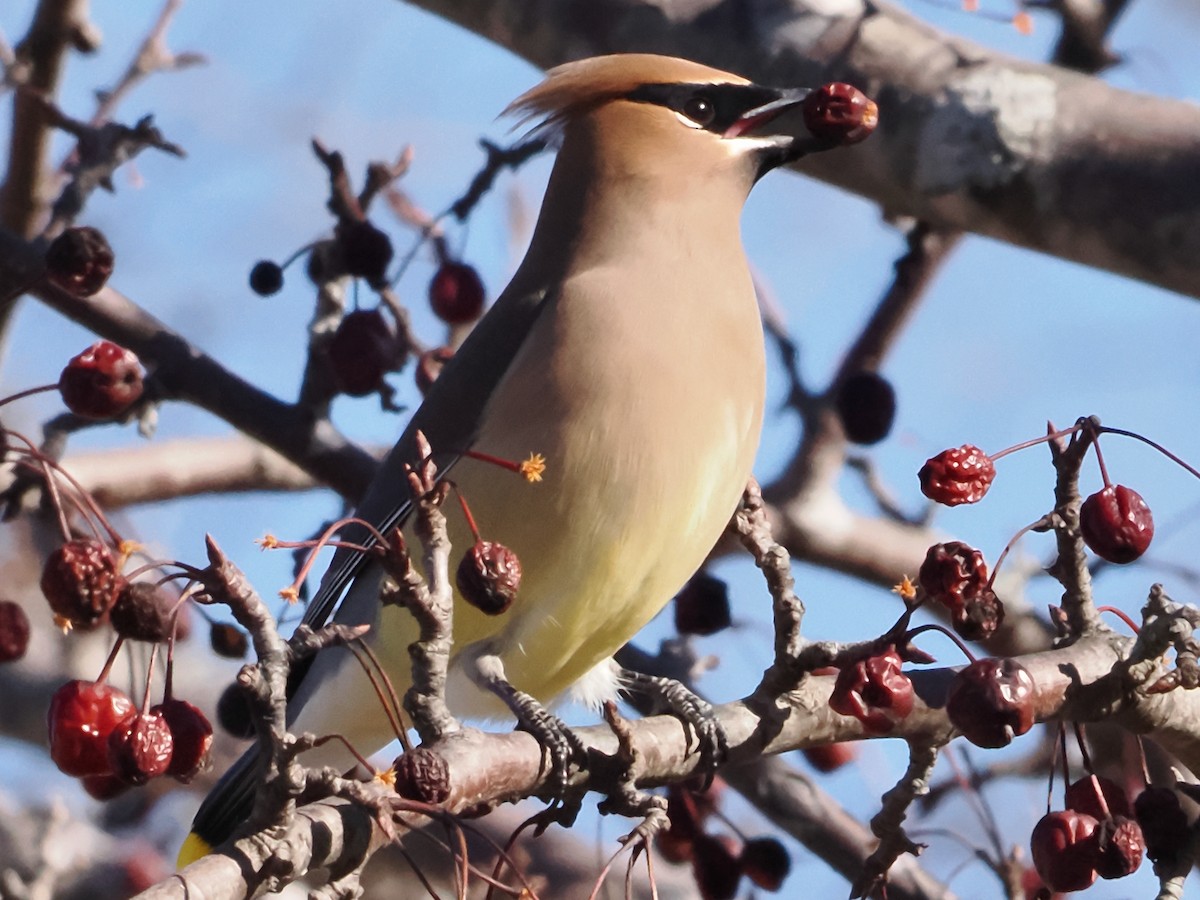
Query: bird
(627,351)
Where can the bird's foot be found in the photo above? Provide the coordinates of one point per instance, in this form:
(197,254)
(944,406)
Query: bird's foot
(671,696)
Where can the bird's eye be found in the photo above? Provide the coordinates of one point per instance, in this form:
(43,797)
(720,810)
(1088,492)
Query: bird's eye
(700,110)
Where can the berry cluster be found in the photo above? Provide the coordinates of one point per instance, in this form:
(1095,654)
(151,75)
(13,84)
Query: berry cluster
(955,575)
(718,861)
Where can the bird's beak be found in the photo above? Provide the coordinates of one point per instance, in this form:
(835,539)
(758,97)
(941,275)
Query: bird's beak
(760,115)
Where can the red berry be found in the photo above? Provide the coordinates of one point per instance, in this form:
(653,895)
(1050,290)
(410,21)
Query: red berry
(456,293)
(423,775)
(766,862)
(1116,524)
(266,278)
(366,251)
(191,738)
(104,787)
(143,612)
(362,350)
(82,715)
(715,866)
(952,573)
(228,641)
(1164,824)
(488,577)
(831,757)
(840,113)
(81,581)
(866,404)
(140,748)
(991,701)
(79,261)
(102,381)
(958,475)
(14,631)
(1084,796)
(702,607)
(1121,847)
(875,691)
(429,367)
(1065,849)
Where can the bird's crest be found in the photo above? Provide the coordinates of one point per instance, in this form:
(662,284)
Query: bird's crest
(575,87)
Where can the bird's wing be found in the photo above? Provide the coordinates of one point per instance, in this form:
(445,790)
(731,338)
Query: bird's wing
(449,418)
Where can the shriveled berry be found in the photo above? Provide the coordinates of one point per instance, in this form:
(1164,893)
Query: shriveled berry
(702,607)
(423,775)
(81,582)
(366,251)
(82,715)
(456,293)
(831,757)
(1065,849)
(104,787)
(429,367)
(1164,823)
(228,641)
(142,613)
(766,862)
(102,381)
(79,261)
(958,475)
(952,573)
(991,701)
(1084,796)
(14,631)
(715,866)
(1116,524)
(840,113)
(191,738)
(866,405)
(140,748)
(266,278)
(489,577)
(875,691)
(1121,847)
(362,350)
(233,712)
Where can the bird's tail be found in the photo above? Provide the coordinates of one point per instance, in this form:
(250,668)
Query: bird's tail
(223,810)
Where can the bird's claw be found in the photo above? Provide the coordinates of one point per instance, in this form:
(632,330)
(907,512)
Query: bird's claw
(671,696)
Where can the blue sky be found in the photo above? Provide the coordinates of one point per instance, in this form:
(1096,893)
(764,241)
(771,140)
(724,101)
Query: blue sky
(1005,340)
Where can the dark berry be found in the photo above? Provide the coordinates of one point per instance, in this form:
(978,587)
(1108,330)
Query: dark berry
(101,382)
(958,475)
(489,576)
(429,367)
(831,757)
(1065,849)
(702,607)
(81,582)
(840,113)
(1084,796)
(142,613)
(82,715)
(228,640)
(423,775)
(191,738)
(715,866)
(1121,847)
(866,405)
(79,261)
(14,631)
(766,862)
(1116,524)
(362,350)
(140,748)
(366,251)
(1164,824)
(233,712)
(456,293)
(991,701)
(875,691)
(266,278)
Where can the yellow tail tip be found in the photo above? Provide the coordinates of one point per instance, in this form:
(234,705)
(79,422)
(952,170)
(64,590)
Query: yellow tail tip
(194,848)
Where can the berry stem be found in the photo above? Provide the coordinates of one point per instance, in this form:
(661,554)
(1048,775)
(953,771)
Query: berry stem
(1100,461)
(1157,446)
(1033,442)
(1012,542)
(1121,614)
(462,501)
(321,542)
(29,392)
(386,694)
(149,679)
(295,256)
(112,658)
(941,629)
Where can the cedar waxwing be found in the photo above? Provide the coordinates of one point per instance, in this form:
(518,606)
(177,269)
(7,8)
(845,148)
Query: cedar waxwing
(628,351)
